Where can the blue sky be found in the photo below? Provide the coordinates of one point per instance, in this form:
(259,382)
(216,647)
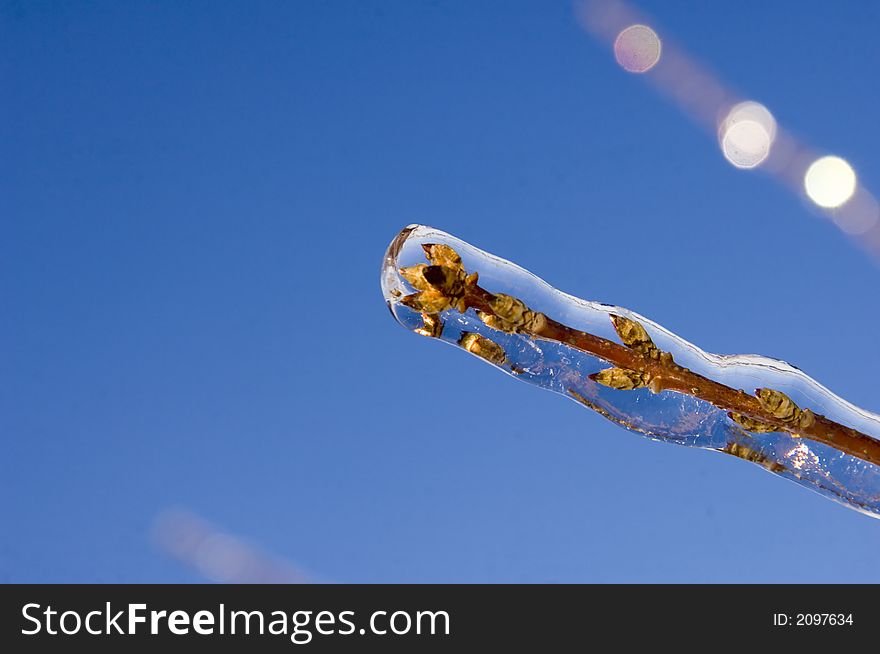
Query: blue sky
(194,202)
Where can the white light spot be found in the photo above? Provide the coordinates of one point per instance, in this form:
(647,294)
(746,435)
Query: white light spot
(747,134)
(637,48)
(746,144)
(802,458)
(830,182)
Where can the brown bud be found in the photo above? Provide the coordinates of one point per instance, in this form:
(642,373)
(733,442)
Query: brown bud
(633,335)
(778,404)
(754,426)
(431,325)
(415,275)
(483,348)
(621,379)
(442,255)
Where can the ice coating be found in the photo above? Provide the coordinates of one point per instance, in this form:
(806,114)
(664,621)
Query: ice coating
(848,474)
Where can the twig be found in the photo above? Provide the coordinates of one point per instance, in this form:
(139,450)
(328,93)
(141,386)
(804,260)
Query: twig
(638,363)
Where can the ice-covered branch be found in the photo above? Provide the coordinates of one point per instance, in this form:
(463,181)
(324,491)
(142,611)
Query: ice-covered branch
(632,371)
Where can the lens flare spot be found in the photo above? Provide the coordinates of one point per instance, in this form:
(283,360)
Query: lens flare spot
(637,49)
(746,134)
(830,182)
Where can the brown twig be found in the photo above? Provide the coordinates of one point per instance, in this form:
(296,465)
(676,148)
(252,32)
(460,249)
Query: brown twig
(638,363)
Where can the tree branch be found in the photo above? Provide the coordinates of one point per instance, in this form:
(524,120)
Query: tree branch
(638,363)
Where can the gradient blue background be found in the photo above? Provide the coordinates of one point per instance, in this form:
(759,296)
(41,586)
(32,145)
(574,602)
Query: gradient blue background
(195,201)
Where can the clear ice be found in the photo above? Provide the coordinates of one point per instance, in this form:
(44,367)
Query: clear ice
(669,416)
